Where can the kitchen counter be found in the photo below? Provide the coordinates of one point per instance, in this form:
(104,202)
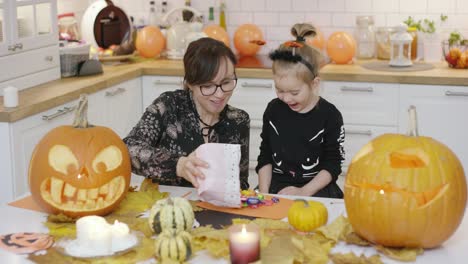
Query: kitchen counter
(43,97)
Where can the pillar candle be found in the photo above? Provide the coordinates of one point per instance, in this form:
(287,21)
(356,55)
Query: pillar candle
(244,244)
(10,96)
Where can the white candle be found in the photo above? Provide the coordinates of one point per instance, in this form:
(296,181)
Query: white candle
(10,96)
(93,232)
(244,244)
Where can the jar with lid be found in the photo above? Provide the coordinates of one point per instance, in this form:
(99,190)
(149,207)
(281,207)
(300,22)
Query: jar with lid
(365,37)
(383,45)
(68,27)
(414,44)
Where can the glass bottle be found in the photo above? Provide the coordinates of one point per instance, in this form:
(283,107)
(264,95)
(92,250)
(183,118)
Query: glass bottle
(152,17)
(414,44)
(211,16)
(365,37)
(222,15)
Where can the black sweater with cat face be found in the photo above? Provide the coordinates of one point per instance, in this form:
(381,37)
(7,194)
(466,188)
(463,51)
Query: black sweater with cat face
(300,145)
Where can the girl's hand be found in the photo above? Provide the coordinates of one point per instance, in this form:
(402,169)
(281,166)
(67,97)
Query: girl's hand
(291,190)
(188,168)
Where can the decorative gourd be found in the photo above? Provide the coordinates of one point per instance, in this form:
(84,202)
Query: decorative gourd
(171,213)
(173,245)
(305,216)
(405,191)
(81,169)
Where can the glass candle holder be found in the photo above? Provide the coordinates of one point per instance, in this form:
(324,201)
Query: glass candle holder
(244,243)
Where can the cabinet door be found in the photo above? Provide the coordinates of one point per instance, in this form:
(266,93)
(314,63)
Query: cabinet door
(117,107)
(154,86)
(26,133)
(4,29)
(252,96)
(441,114)
(33,24)
(364,103)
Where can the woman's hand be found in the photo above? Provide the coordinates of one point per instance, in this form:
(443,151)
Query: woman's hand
(291,190)
(187,168)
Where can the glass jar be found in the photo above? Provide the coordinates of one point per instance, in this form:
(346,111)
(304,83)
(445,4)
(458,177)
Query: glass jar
(365,37)
(383,45)
(414,44)
(68,27)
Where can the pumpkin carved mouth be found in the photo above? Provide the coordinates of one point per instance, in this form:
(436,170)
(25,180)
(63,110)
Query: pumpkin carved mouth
(67,197)
(423,199)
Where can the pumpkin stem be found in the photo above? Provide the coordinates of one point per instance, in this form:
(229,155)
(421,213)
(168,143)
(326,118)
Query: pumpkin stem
(306,203)
(81,113)
(413,122)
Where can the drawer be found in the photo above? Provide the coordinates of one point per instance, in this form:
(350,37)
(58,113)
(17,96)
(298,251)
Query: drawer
(364,103)
(154,86)
(357,136)
(29,62)
(252,96)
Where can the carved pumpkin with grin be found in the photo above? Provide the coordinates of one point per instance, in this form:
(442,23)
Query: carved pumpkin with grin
(405,191)
(80,170)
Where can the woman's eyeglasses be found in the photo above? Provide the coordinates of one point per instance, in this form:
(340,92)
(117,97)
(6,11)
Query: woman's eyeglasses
(226,86)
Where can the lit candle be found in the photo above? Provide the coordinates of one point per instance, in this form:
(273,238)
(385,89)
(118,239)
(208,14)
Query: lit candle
(93,232)
(244,243)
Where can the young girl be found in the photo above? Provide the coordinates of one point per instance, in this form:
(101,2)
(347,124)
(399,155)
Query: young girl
(303,134)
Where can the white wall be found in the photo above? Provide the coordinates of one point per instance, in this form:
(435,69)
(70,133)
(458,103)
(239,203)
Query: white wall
(275,17)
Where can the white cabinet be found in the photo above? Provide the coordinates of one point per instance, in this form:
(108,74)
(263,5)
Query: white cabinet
(28,42)
(24,136)
(252,96)
(368,110)
(117,107)
(441,113)
(154,86)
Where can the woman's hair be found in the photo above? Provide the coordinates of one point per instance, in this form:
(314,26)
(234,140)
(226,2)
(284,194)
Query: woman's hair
(203,58)
(298,56)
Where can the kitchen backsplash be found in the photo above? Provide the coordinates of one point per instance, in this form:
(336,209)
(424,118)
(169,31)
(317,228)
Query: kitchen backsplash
(275,17)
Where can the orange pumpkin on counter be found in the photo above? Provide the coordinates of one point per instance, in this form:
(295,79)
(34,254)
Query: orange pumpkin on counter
(81,169)
(405,191)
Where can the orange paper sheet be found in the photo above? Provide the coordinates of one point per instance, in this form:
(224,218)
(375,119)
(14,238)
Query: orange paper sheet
(276,211)
(27,203)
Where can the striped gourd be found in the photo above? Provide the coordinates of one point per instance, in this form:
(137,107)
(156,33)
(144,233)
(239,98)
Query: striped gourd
(174,245)
(171,213)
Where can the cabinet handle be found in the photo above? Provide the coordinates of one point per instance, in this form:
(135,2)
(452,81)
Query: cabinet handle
(60,112)
(356,89)
(159,82)
(359,132)
(49,58)
(257,85)
(19,46)
(450,93)
(115,92)
(256,124)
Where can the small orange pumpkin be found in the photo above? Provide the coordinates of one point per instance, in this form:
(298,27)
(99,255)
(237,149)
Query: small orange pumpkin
(81,169)
(405,191)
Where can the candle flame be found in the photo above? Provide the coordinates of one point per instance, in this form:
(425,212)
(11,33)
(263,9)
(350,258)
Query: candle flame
(382,192)
(79,176)
(244,231)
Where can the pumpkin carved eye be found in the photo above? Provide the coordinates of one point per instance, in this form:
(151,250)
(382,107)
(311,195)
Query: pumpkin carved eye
(62,159)
(107,159)
(408,158)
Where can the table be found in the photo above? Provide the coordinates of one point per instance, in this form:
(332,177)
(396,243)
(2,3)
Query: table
(454,250)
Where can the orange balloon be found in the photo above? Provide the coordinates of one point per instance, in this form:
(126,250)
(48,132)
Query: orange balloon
(247,39)
(150,42)
(218,33)
(317,41)
(341,47)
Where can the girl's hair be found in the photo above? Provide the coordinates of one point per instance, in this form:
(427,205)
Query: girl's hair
(203,58)
(298,56)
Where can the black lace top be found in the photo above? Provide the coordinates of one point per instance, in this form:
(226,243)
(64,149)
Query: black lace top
(170,128)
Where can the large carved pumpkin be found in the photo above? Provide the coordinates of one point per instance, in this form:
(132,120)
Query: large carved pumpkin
(405,191)
(81,169)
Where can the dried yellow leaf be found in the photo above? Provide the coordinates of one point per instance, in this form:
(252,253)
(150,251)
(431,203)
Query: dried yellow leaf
(355,239)
(351,258)
(337,230)
(401,254)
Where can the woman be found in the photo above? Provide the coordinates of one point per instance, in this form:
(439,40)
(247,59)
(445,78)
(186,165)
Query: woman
(163,142)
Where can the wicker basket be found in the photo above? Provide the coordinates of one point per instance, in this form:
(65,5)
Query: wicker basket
(70,58)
